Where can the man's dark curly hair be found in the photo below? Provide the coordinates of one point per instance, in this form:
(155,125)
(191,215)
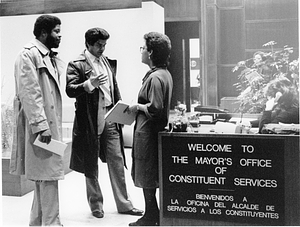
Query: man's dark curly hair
(160,45)
(45,22)
(94,34)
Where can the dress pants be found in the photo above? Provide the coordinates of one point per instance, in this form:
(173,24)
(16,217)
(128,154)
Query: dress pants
(115,165)
(45,206)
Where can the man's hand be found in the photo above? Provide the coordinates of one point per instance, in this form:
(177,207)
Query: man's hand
(45,136)
(96,81)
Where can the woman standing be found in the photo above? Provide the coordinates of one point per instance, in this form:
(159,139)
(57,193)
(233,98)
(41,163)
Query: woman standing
(153,107)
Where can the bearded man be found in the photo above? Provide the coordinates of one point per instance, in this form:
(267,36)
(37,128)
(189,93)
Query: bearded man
(38,114)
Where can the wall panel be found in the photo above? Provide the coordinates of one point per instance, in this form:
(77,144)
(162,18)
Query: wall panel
(226,79)
(283,32)
(231,36)
(211,35)
(229,3)
(182,10)
(211,42)
(271,9)
(212,85)
(27,7)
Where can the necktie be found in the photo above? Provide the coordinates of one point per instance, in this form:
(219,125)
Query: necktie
(104,87)
(52,55)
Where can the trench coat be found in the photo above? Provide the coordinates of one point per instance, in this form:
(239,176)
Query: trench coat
(37,107)
(85,144)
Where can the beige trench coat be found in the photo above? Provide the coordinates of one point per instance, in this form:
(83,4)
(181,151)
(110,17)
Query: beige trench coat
(37,107)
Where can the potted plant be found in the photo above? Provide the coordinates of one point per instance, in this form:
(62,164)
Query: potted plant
(179,122)
(257,72)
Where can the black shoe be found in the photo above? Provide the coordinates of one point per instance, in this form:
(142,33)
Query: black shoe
(98,214)
(145,222)
(134,211)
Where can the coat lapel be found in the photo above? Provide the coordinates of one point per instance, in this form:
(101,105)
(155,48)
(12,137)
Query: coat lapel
(47,61)
(51,68)
(90,66)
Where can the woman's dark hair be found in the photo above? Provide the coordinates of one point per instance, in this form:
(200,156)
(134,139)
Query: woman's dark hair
(290,95)
(94,34)
(160,45)
(45,22)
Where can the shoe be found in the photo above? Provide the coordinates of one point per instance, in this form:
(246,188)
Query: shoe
(145,222)
(134,211)
(98,214)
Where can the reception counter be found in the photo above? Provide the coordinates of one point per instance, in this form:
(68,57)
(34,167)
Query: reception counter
(229,179)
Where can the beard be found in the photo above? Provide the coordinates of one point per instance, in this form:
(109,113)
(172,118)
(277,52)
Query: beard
(51,42)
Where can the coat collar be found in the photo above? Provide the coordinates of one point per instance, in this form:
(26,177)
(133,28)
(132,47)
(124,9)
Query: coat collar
(83,57)
(45,52)
(40,46)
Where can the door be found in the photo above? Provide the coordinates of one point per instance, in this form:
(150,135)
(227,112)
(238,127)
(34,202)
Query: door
(185,63)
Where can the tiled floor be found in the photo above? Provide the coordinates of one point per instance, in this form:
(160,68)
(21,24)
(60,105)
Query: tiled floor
(74,210)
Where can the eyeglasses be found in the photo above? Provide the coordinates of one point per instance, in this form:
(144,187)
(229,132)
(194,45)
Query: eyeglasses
(142,49)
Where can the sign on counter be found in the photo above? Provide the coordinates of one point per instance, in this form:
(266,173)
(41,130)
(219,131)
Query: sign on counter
(223,179)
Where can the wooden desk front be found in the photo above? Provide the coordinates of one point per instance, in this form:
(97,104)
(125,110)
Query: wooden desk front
(229,179)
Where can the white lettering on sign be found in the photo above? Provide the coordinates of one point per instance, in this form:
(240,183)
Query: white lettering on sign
(263,183)
(245,206)
(215,197)
(256,162)
(213,161)
(174,201)
(196,179)
(253,214)
(248,148)
(180,159)
(209,147)
(182,209)
(197,203)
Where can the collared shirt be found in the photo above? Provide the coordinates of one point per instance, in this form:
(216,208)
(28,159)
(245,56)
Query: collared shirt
(92,59)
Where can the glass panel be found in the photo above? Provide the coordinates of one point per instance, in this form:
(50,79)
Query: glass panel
(195,77)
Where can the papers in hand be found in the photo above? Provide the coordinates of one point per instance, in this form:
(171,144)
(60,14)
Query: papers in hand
(54,146)
(119,114)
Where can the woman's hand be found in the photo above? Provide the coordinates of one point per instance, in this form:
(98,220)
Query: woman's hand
(132,108)
(272,101)
(136,107)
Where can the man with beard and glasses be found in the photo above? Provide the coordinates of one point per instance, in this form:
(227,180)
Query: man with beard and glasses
(38,113)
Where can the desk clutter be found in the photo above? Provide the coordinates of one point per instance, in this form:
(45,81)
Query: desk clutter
(200,122)
(281,128)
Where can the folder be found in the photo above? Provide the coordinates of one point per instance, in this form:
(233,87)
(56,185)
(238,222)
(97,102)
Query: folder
(54,146)
(118,114)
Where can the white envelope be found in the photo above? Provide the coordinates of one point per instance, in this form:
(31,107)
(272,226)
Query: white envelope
(54,146)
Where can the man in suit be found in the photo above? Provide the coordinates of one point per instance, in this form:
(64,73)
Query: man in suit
(38,112)
(91,79)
